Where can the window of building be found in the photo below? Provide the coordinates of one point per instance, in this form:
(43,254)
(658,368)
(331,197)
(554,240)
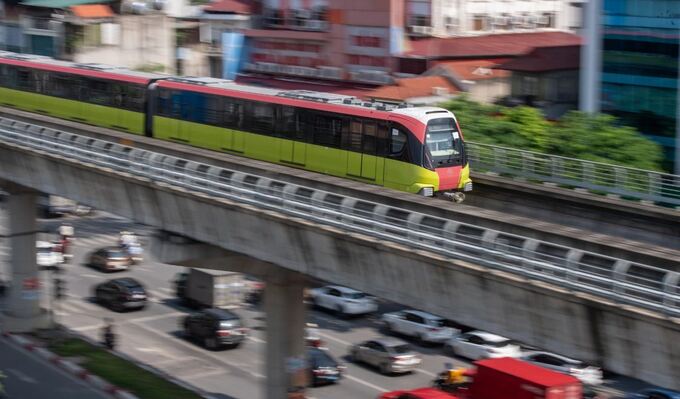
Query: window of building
(479,22)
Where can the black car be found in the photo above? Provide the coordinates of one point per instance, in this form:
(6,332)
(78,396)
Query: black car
(322,367)
(215,328)
(121,294)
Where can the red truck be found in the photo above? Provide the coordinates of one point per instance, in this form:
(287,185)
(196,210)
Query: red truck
(503,378)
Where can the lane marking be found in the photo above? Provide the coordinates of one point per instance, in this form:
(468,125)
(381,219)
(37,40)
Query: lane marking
(130,321)
(368,384)
(194,349)
(203,374)
(23,377)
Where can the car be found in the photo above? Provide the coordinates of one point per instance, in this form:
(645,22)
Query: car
(654,393)
(389,355)
(121,294)
(323,368)
(426,327)
(419,393)
(110,258)
(48,255)
(590,375)
(482,345)
(215,328)
(343,300)
(313,335)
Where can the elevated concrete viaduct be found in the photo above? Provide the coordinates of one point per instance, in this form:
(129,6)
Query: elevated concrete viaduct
(623,339)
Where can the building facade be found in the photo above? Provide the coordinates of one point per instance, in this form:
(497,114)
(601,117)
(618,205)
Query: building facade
(634,64)
(445,18)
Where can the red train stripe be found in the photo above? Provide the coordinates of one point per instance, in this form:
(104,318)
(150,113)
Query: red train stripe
(76,71)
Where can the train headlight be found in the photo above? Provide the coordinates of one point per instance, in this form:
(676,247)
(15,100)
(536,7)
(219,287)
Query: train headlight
(426,191)
(468,186)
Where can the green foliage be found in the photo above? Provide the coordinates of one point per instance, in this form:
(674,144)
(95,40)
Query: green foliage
(577,135)
(150,67)
(121,372)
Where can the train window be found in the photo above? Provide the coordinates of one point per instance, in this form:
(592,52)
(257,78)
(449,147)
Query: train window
(97,92)
(398,142)
(382,139)
(369,139)
(233,113)
(133,97)
(288,123)
(262,118)
(163,106)
(212,110)
(40,78)
(327,130)
(24,79)
(355,135)
(63,86)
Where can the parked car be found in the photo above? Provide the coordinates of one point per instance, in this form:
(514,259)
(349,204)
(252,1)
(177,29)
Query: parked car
(343,300)
(590,375)
(323,368)
(389,355)
(654,393)
(482,345)
(110,258)
(121,294)
(215,328)
(48,255)
(424,326)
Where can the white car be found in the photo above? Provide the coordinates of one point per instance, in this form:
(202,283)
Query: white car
(47,254)
(590,375)
(424,326)
(482,345)
(343,300)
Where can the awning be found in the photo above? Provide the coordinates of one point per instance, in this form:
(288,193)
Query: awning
(92,11)
(60,3)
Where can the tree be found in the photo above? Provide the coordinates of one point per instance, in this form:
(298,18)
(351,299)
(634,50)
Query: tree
(577,135)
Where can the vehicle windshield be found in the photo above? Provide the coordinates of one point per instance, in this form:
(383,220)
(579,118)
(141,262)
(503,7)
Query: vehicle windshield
(436,322)
(116,254)
(444,142)
(320,359)
(401,349)
(355,295)
(499,344)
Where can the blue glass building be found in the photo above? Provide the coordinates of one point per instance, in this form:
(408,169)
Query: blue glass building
(640,68)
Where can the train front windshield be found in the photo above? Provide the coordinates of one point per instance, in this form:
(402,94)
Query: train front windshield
(444,143)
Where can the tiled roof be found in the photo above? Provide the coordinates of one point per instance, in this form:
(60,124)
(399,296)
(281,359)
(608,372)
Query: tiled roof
(231,6)
(475,69)
(544,59)
(421,86)
(92,11)
(507,44)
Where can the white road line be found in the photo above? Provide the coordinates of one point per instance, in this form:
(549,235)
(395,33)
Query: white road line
(368,384)
(172,359)
(255,339)
(202,374)
(23,377)
(136,320)
(431,374)
(193,349)
(168,290)
(85,328)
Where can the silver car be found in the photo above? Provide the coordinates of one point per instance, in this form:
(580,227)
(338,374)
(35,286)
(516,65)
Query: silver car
(389,355)
(590,375)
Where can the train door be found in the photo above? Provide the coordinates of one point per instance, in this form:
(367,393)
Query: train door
(361,159)
(292,126)
(368,150)
(175,115)
(354,154)
(232,116)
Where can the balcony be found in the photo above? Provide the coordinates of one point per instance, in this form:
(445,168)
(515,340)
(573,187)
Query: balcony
(41,26)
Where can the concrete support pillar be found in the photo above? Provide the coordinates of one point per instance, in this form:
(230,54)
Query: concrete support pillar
(23,311)
(285,315)
(591,58)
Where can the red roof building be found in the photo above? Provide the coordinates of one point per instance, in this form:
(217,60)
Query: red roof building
(497,45)
(230,6)
(545,59)
(423,89)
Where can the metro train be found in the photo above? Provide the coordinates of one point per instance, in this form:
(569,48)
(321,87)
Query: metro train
(413,149)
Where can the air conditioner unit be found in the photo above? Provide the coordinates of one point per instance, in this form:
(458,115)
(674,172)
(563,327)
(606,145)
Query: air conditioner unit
(440,91)
(499,21)
(423,30)
(249,66)
(543,20)
(316,24)
(303,14)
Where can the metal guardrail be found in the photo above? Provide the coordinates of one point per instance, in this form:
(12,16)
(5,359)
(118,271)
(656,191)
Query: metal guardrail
(615,279)
(630,183)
